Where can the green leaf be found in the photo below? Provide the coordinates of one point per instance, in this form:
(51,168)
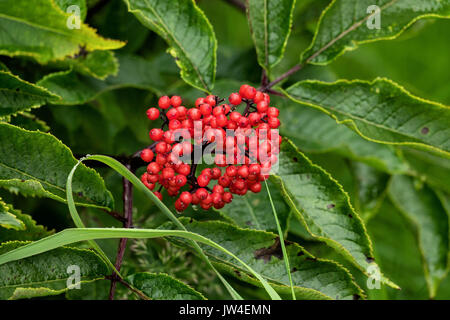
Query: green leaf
(64,4)
(28,121)
(314,132)
(188,33)
(37,164)
(162,287)
(47,273)
(8,219)
(397,253)
(312,278)
(19,95)
(380,111)
(371,187)
(30,231)
(424,209)
(97,64)
(42,32)
(433,169)
(69,236)
(270,24)
(343,25)
(78,89)
(323,207)
(254,211)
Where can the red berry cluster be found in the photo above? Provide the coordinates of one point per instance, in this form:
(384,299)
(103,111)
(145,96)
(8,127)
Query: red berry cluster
(245,146)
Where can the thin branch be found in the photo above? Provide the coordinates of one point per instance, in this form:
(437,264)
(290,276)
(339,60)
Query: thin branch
(126,284)
(288,73)
(128,215)
(115,215)
(237,3)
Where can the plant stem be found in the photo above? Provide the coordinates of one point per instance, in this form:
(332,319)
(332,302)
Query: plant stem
(288,73)
(237,3)
(128,216)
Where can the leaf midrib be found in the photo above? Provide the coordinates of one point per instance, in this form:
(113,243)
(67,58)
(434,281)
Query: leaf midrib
(56,31)
(345,32)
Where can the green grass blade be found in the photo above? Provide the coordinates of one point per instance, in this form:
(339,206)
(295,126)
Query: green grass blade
(283,247)
(122,170)
(79,223)
(70,236)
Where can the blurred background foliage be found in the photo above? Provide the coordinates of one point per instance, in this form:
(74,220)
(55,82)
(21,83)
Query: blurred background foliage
(114,123)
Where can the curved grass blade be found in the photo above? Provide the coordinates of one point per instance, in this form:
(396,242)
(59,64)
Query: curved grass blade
(70,236)
(122,170)
(283,247)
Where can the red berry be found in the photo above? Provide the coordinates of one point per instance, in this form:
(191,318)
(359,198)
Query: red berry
(203,180)
(184,169)
(174,124)
(227,197)
(231,171)
(215,173)
(186,197)
(164,102)
(273,112)
(218,189)
(211,100)
(194,114)
(243,171)
(175,101)
(256,187)
(147,155)
(262,106)
(158,194)
(259,96)
(205,109)
(248,92)
(201,193)
(156,134)
(180,180)
(235,116)
(199,101)
(235,99)
(273,122)
(254,169)
(224,181)
(153,168)
(161,147)
(153,113)
(172,114)
(167,173)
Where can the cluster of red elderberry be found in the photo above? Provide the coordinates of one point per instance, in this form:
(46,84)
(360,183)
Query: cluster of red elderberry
(256,150)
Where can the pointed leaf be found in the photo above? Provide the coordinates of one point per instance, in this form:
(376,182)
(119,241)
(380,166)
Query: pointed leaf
(19,95)
(343,25)
(254,211)
(270,24)
(312,278)
(188,33)
(314,132)
(380,111)
(162,287)
(37,164)
(42,33)
(30,231)
(8,220)
(322,206)
(77,89)
(423,208)
(46,274)
(371,187)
